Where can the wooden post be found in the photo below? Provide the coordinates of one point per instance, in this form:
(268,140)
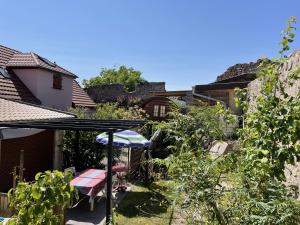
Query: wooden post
(109,179)
(21,168)
(1,137)
(0,148)
(148,136)
(14,177)
(76,148)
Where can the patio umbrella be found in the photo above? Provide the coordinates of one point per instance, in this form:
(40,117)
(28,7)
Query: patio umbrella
(126,138)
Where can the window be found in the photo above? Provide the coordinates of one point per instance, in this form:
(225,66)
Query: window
(155,111)
(57,81)
(162,111)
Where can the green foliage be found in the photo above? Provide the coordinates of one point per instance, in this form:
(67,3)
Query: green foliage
(194,130)
(42,202)
(247,185)
(270,141)
(197,173)
(91,151)
(129,77)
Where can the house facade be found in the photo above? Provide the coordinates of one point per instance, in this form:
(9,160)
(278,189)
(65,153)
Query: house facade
(50,84)
(33,88)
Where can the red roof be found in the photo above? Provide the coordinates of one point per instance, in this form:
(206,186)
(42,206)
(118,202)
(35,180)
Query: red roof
(12,87)
(33,60)
(6,54)
(80,98)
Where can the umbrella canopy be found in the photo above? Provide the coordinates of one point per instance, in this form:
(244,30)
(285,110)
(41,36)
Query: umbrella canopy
(126,138)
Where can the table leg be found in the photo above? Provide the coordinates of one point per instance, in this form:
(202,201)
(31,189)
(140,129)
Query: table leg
(92,201)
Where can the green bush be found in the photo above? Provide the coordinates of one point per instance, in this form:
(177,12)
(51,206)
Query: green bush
(42,202)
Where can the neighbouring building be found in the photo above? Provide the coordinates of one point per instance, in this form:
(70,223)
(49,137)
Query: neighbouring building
(50,84)
(33,88)
(153,97)
(222,90)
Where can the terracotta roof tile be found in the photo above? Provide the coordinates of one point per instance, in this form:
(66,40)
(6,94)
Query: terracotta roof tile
(33,60)
(13,88)
(80,97)
(17,111)
(6,54)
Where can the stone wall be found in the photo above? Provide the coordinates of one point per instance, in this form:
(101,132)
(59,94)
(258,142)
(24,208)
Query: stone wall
(291,64)
(254,87)
(239,69)
(111,92)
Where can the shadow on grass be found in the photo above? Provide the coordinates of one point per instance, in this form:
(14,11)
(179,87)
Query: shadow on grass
(146,203)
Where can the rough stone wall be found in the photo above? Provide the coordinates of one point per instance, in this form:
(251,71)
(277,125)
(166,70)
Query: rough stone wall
(111,92)
(239,69)
(254,87)
(291,64)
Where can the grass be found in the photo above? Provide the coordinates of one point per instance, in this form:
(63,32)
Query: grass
(146,206)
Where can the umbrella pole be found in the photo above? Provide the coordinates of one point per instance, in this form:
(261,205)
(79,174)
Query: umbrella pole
(109,179)
(129,156)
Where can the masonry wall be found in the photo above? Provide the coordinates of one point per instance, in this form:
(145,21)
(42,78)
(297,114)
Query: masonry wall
(292,172)
(111,92)
(291,64)
(38,157)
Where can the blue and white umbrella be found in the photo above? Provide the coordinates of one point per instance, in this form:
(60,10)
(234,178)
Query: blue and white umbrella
(126,138)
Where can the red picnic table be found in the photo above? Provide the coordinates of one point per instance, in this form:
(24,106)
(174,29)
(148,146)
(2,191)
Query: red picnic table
(90,182)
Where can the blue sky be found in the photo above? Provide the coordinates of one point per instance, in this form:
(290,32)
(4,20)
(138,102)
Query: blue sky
(181,42)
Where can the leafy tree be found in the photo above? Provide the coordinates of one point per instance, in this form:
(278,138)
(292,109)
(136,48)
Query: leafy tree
(129,77)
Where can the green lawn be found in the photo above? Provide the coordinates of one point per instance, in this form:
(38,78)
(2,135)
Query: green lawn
(146,206)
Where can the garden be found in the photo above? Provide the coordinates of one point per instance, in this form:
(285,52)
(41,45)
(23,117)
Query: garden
(190,185)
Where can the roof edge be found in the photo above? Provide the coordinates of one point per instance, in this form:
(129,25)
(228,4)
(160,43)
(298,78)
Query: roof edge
(40,106)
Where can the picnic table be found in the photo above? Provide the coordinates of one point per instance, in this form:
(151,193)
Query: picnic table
(90,182)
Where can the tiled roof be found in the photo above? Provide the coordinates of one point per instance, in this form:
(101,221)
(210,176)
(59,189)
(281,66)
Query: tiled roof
(33,60)
(6,54)
(80,98)
(17,111)
(13,88)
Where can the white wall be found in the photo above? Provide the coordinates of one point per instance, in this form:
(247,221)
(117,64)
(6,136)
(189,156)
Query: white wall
(40,83)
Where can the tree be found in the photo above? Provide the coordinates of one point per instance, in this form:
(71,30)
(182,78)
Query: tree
(129,77)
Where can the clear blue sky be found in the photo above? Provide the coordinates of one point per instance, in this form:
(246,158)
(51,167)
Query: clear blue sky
(182,42)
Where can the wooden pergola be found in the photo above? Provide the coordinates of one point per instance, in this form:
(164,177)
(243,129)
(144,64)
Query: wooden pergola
(74,124)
